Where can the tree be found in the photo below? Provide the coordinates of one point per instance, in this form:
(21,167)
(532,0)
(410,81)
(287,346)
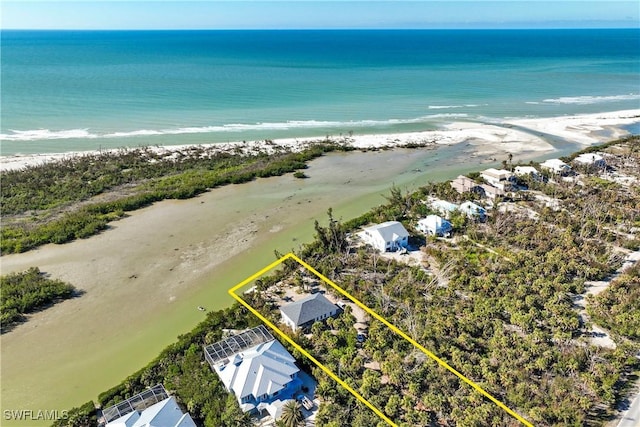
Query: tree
(292,414)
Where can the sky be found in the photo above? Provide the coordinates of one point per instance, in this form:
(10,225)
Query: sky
(311,14)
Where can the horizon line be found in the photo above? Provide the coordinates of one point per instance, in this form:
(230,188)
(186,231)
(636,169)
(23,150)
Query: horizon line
(328,29)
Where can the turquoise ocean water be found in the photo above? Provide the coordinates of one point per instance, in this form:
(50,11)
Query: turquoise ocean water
(81,90)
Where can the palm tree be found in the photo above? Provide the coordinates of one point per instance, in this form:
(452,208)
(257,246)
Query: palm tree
(292,414)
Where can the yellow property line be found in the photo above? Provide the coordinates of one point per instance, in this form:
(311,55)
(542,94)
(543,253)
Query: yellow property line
(374,315)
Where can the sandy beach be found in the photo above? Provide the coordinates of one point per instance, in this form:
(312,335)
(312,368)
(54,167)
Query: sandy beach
(144,277)
(512,136)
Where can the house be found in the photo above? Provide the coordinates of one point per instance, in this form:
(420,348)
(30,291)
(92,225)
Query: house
(434,225)
(556,166)
(388,236)
(497,177)
(463,184)
(525,171)
(165,413)
(256,368)
(591,159)
(305,312)
(443,207)
(473,211)
(491,191)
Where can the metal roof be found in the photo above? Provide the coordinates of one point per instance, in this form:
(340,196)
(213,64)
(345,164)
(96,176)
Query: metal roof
(309,308)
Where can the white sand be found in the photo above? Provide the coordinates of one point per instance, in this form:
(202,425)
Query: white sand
(486,138)
(585,129)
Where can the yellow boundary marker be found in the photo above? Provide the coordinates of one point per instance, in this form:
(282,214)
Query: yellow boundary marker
(375,315)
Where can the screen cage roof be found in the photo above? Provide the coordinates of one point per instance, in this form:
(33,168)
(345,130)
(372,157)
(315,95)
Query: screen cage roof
(216,352)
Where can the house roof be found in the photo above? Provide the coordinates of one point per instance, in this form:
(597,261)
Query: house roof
(165,413)
(497,173)
(308,308)
(263,369)
(389,231)
(525,170)
(463,183)
(490,189)
(589,158)
(555,164)
(436,222)
(472,207)
(444,205)
(126,420)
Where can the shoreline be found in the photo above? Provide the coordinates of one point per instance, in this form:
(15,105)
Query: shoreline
(511,135)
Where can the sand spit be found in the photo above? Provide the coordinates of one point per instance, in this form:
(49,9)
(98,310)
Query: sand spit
(488,138)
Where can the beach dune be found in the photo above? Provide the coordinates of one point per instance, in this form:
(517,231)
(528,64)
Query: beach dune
(511,136)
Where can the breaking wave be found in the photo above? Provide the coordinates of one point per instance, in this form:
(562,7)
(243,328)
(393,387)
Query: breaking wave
(584,100)
(446,107)
(47,134)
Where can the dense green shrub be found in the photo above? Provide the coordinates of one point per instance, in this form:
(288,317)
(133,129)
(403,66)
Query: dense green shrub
(27,292)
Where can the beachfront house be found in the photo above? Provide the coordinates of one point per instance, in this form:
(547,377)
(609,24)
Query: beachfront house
(594,160)
(499,178)
(386,237)
(525,171)
(151,408)
(305,312)
(256,368)
(463,184)
(556,166)
(443,207)
(473,211)
(529,171)
(435,225)
(491,192)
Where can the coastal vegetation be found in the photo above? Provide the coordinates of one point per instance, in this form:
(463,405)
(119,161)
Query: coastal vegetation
(618,307)
(29,291)
(496,303)
(78,196)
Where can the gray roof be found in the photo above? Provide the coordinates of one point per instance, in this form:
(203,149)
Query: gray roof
(309,308)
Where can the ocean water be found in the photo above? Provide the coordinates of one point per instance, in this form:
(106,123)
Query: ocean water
(81,90)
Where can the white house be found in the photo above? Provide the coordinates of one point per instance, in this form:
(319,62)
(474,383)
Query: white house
(556,166)
(165,413)
(388,236)
(305,312)
(497,177)
(443,207)
(259,375)
(591,159)
(473,211)
(434,225)
(525,171)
